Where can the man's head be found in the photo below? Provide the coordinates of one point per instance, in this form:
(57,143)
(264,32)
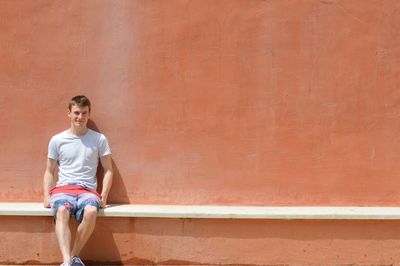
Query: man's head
(80,101)
(79,112)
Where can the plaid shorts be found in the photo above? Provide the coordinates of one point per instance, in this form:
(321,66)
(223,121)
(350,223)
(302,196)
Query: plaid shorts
(75,204)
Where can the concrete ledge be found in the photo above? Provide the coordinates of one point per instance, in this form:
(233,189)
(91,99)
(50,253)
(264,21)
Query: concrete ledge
(219,212)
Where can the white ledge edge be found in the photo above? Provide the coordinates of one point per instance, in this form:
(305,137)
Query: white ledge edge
(220,212)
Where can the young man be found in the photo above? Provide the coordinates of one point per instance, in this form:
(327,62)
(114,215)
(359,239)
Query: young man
(77,152)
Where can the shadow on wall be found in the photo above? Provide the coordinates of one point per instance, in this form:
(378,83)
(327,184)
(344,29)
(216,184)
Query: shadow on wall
(103,234)
(118,193)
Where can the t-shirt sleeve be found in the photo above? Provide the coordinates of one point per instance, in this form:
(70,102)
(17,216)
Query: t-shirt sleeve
(104,148)
(52,150)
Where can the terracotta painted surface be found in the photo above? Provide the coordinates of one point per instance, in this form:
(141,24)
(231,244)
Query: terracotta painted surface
(174,241)
(238,102)
(210,102)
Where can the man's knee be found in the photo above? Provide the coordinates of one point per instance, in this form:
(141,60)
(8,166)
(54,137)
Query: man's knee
(62,213)
(90,212)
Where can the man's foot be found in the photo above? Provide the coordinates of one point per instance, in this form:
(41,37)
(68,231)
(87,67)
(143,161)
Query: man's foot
(76,261)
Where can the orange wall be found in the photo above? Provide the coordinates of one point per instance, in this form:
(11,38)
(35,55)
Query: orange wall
(210,102)
(182,241)
(221,242)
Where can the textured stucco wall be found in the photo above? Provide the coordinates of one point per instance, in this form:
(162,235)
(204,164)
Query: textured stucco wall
(203,241)
(210,102)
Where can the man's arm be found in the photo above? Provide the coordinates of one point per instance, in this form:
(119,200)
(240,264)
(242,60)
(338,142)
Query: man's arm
(48,181)
(106,162)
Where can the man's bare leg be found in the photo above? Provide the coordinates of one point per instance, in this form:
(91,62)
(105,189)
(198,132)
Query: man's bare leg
(63,232)
(85,229)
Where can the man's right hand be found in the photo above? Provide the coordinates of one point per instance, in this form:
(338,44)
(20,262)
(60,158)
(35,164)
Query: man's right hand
(48,181)
(46,202)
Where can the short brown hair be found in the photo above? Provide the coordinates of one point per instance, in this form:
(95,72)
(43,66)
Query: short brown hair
(80,101)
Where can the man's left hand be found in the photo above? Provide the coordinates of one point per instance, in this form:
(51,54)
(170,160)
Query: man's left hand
(103,200)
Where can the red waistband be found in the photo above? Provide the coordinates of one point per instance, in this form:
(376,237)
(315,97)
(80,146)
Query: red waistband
(74,190)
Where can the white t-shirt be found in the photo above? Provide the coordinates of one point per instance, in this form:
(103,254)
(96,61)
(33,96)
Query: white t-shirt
(78,157)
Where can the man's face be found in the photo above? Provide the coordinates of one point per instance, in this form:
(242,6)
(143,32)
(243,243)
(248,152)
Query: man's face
(79,115)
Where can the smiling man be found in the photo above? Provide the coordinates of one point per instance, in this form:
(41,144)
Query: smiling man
(77,152)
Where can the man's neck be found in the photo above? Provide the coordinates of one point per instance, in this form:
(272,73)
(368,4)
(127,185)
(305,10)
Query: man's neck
(77,131)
